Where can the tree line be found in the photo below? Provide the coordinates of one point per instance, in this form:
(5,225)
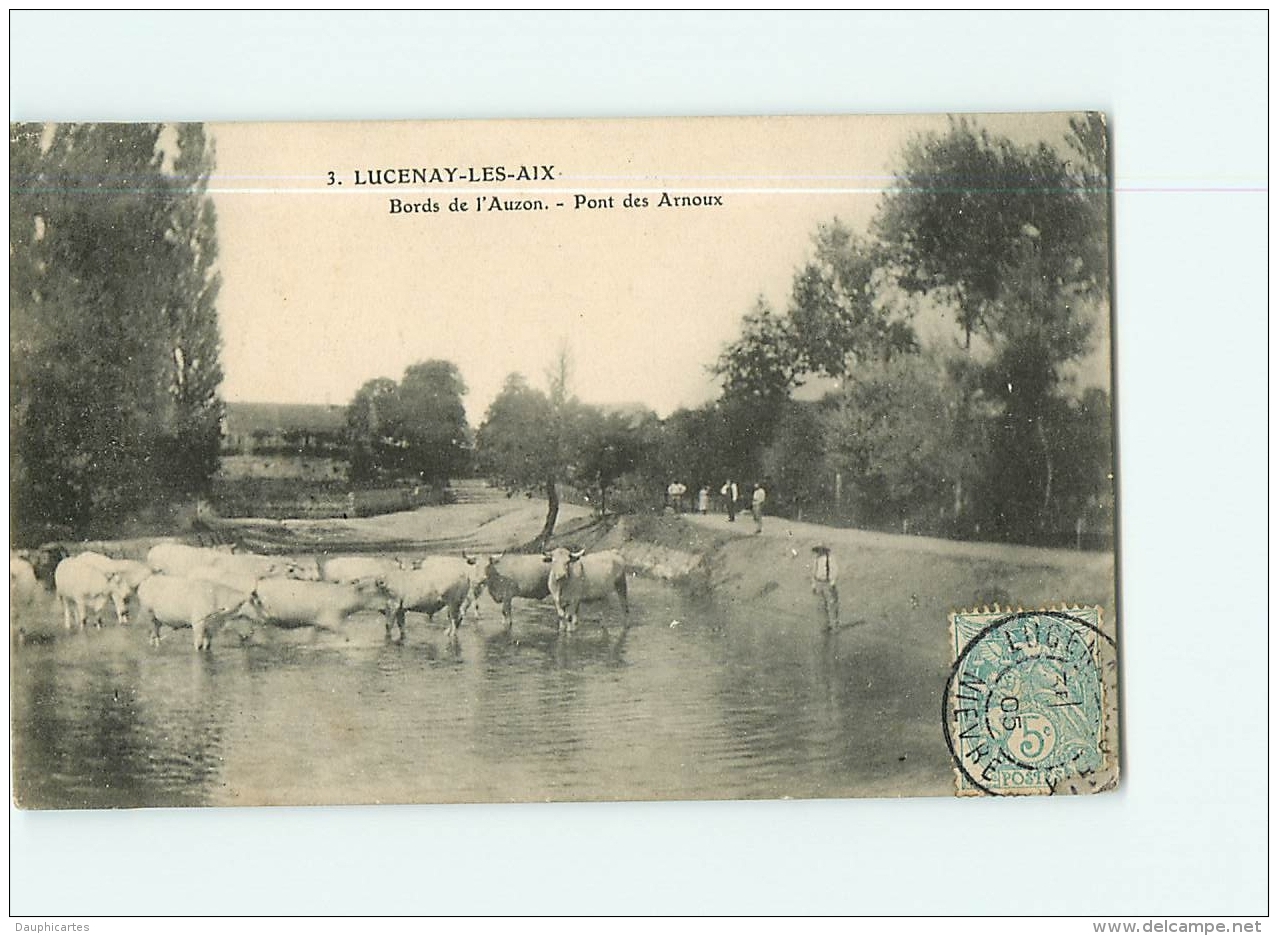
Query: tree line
(113,335)
(974,428)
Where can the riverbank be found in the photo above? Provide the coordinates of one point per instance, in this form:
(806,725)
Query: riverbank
(885,578)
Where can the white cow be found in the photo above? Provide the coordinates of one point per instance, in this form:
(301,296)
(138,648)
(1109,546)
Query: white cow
(131,570)
(347,569)
(575,577)
(470,567)
(24,592)
(441,582)
(83,587)
(267,566)
(228,578)
(23,584)
(179,559)
(203,606)
(44,560)
(327,605)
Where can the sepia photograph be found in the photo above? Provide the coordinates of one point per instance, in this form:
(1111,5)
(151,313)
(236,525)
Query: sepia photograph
(724,458)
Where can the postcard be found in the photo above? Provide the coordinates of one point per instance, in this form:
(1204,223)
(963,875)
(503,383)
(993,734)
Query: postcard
(561,460)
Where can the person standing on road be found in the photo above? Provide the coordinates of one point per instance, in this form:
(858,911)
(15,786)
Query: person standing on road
(756,506)
(825,583)
(730,494)
(703,501)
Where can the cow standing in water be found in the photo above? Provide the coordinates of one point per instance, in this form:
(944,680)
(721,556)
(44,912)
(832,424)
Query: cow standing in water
(129,571)
(43,560)
(294,603)
(83,587)
(511,577)
(575,577)
(441,582)
(346,570)
(24,591)
(177,601)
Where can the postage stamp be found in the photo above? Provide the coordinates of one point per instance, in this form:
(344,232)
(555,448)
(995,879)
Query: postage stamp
(1030,705)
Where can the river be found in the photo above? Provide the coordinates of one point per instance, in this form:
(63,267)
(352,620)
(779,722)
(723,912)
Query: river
(693,702)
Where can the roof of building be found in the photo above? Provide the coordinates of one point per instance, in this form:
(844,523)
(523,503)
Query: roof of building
(247,418)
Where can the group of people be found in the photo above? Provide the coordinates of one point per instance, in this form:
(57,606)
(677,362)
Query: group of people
(757,498)
(731,492)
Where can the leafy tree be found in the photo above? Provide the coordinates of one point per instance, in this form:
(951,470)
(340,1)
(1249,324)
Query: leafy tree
(697,447)
(909,446)
(415,428)
(607,446)
(370,424)
(763,364)
(796,462)
(520,441)
(1014,238)
(559,427)
(759,371)
(1088,141)
(839,318)
(963,203)
(114,342)
(510,445)
(431,420)
(191,312)
(837,311)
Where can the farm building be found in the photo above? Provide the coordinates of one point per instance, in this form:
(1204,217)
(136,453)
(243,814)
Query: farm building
(284,440)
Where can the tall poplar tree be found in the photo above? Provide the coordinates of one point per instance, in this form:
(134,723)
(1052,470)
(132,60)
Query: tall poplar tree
(113,336)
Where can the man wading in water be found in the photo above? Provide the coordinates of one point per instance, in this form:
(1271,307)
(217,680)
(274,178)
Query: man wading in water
(825,582)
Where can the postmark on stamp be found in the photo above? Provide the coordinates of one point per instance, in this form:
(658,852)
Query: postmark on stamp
(1030,706)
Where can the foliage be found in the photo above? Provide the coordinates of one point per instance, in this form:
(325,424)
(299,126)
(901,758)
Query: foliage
(414,429)
(533,439)
(370,422)
(796,461)
(908,435)
(963,208)
(763,364)
(837,309)
(944,435)
(114,343)
(526,437)
(431,421)
(1074,484)
(608,445)
(511,445)
(1014,237)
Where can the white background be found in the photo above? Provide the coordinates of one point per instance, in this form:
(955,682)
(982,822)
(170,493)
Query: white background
(1186,96)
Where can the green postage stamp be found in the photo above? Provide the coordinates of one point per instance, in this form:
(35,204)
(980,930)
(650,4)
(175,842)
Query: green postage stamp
(1031,703)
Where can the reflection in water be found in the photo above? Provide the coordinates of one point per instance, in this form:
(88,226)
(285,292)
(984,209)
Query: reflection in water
(694,701)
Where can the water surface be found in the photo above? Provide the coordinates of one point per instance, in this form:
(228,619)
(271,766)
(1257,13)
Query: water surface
(693,702)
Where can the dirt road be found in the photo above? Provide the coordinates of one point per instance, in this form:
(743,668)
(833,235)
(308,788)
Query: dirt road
(483,519)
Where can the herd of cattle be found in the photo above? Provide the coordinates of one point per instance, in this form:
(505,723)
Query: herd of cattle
(203,588)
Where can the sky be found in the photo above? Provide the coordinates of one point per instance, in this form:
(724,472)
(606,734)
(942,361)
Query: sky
(324,288)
